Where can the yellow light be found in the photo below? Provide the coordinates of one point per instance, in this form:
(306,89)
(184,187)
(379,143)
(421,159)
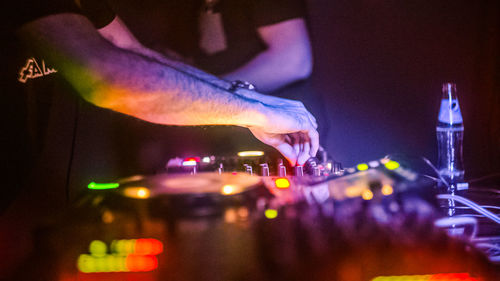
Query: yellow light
(137,192)
(362,167)
(367,194)
(387,189)
(271,213)
(85,263)
(282,183)
(97,248)
(228,189)
(253,153)
(392,165)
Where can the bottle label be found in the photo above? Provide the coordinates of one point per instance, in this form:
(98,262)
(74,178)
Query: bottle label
(449,112)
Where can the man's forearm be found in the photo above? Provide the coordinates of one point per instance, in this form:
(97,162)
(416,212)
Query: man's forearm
(132,84)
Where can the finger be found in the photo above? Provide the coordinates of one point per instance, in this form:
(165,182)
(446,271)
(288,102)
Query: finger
(314,139)
(305,153)
(288,152)
(295,143)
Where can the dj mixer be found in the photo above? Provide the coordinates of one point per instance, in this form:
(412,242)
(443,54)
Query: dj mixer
(252,217)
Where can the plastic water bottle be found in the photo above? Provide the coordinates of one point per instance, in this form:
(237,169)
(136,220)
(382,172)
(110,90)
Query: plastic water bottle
(450,134)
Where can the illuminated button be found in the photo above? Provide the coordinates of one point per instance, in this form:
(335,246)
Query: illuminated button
(94,185)
(228,189)
(253,153)
(367,194)
(137,192)
(362,167)
(373,164)
(137,263)
(392,165)
(271,213)
(329,166)
(97,248)
(282,183)
(85,263)
(190,161)
(205,159)
(148,246)
(387,189)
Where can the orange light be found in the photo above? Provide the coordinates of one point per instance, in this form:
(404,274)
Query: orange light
(367,194)
(228,189)
(148,246)
(282,183)
(387,189)
(142,246)
(137,263)
(137,192)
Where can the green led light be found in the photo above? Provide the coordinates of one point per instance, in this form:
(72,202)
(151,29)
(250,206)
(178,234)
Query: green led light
(271,214)
(362,167)
(392,165)
(94,185)
(86,263)
(98,248)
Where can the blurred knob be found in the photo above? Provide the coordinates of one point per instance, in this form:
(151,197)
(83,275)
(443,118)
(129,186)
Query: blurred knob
(264,171)
(299,172)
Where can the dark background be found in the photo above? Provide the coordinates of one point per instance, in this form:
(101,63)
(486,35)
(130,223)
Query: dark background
(378,65)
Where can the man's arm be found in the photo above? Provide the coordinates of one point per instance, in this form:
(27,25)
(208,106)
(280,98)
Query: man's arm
(129,83)
(288,57)
(120,35)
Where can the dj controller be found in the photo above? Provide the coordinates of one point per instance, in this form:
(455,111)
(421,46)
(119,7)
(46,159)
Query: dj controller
(253,217)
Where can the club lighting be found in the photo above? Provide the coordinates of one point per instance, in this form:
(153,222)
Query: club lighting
(100,186)
(115,263)
(127,255)
(143,246)
(271,213)
(252,153)
(392,165)
(137,192)
(228,189)
(367,194)
(387,189)
(362,167)
(97,248)
(282,183)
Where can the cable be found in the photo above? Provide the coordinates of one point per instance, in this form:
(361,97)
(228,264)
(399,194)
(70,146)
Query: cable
(472,205)
(483,206)
(457,221)
(428,162)
(487,238)
(488,245)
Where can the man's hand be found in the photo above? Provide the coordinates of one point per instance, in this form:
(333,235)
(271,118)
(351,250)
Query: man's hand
(289,128)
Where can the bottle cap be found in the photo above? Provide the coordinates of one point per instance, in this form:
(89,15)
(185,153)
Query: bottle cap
(449,111)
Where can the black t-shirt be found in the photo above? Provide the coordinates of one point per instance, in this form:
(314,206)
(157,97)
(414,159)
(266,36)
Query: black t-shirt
(173,24)
(39,108)
(240,20)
